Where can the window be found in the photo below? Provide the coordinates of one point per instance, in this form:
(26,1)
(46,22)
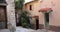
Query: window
(30,7)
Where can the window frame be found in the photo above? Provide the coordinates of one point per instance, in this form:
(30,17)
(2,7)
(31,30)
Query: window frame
(30,7)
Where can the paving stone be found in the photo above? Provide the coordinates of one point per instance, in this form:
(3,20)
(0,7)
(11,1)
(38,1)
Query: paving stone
(4,30)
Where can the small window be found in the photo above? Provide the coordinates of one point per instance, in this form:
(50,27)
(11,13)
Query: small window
(30,7)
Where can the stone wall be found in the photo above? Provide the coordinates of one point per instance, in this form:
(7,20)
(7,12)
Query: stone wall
(11,15)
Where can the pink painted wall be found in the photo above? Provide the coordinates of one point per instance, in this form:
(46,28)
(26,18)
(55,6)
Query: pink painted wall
(54,18)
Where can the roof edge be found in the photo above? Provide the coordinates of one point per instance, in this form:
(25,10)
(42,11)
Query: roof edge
(30,1)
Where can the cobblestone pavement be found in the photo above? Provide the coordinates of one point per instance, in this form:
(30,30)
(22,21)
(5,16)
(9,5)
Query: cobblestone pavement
(20,29)
(4,30)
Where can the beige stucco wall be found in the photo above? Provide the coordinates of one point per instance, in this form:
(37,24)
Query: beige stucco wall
(35,7)
(54,16)
(35,11)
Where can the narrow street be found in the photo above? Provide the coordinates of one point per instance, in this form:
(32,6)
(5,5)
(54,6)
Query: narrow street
(42,15)
(20,29)
(4,30)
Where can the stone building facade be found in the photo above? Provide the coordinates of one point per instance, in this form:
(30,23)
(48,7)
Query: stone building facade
(7,14)
(11,12)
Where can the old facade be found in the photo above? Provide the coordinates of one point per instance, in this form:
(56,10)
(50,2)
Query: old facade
(7,14)
(3,19)
(32,8)
(37,9)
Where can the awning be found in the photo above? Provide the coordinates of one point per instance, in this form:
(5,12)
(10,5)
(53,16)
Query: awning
(45,10)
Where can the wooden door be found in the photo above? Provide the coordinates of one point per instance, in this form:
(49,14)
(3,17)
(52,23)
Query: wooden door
(37,23)
(3,22)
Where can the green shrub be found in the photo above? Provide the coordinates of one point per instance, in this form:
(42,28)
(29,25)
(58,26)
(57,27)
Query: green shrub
(24,19)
